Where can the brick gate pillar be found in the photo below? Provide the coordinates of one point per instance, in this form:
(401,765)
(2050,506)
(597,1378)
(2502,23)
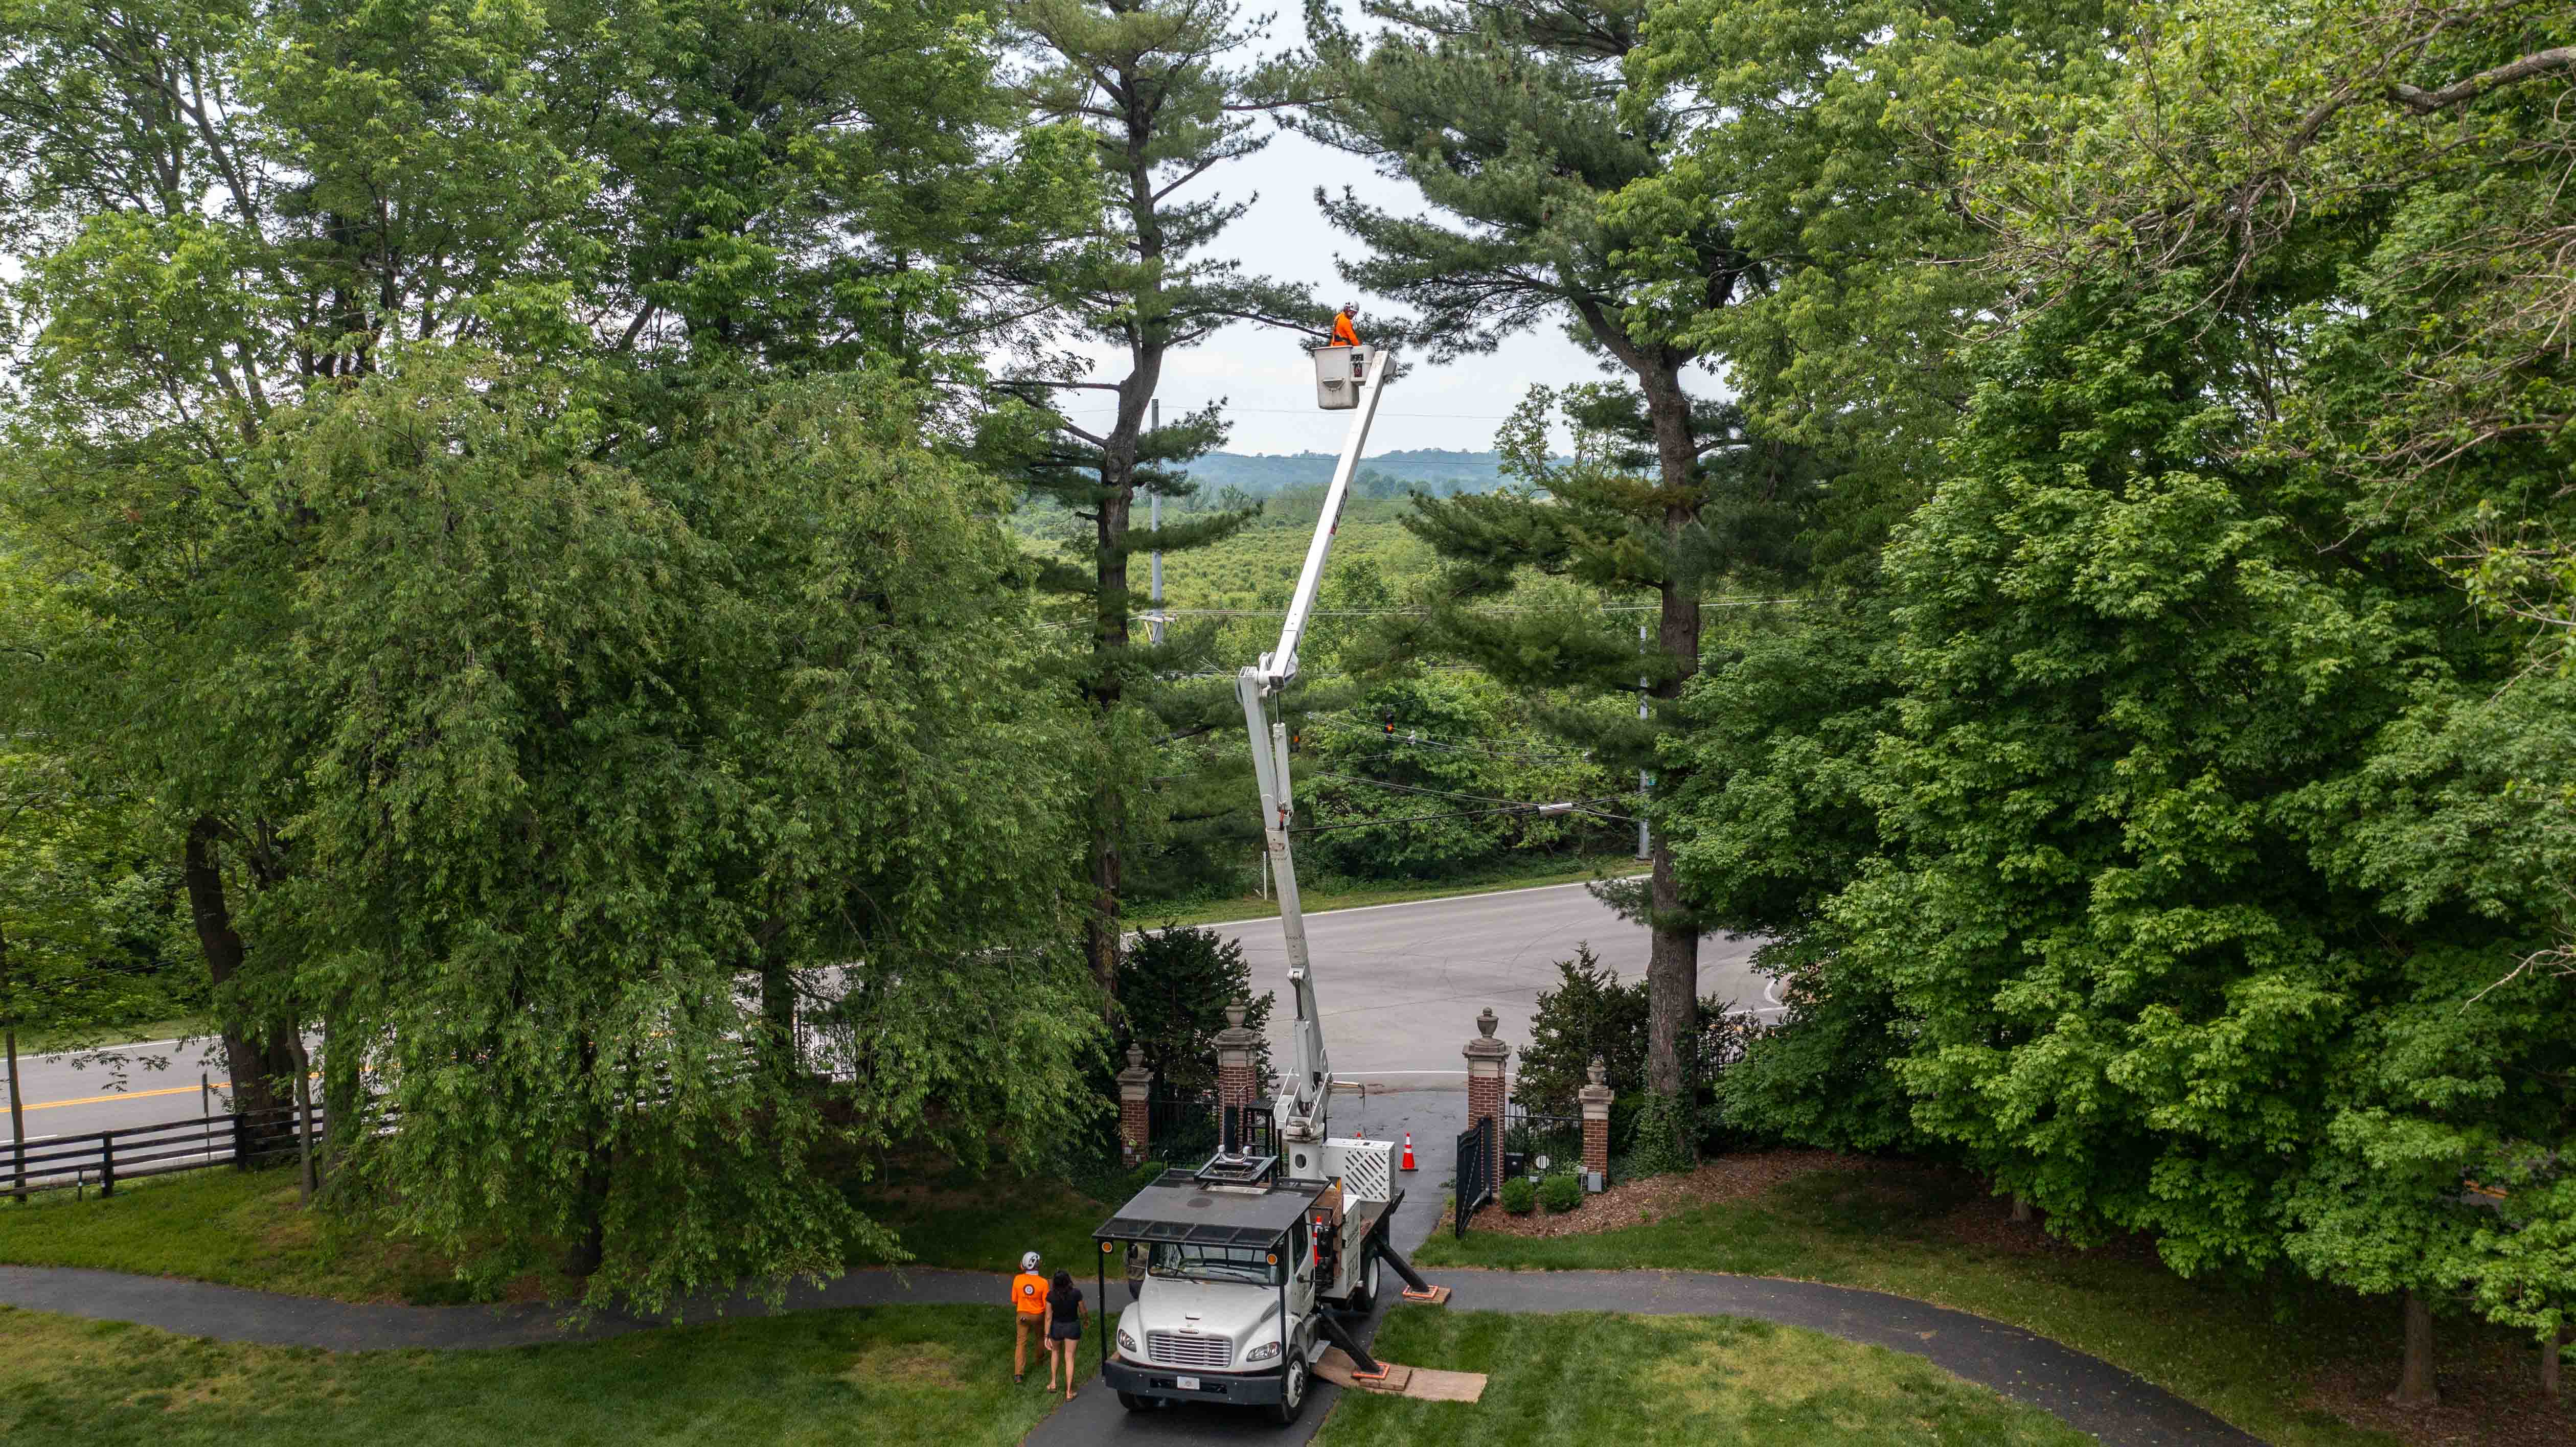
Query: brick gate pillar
(1485,1056)
(1237,1084)
(1135,1108)
(1595,1099)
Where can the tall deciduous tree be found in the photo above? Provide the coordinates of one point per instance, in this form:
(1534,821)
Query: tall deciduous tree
(1166,94)
(228,205)
(1518,123)
(600,731)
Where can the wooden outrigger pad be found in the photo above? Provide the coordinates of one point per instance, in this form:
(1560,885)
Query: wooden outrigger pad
(1433,1297)
(1420,1383)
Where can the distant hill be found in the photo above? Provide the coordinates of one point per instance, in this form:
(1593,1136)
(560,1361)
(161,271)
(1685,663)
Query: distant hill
(1434,470)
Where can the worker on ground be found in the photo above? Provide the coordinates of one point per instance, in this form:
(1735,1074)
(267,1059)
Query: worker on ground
(1344,333)
(1064,1329)
(1028,1301)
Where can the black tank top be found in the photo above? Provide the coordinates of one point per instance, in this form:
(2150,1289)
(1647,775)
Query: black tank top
(1064,1304)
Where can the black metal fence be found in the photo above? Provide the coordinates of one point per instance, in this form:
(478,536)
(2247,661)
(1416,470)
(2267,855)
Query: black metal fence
(1187,1129)
(103,1158)
(1533,1136)
(1476,1183)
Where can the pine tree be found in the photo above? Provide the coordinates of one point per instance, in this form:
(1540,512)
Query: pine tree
(1154,85)
(1518,124)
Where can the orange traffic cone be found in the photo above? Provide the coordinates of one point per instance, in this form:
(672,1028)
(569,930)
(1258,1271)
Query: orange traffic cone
(1408,1152)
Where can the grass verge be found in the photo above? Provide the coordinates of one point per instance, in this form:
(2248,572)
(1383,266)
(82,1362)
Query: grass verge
(2286,1360)
(243,1228)
(1713,1382)
(916,1375)
(1202,912)
(239,1228)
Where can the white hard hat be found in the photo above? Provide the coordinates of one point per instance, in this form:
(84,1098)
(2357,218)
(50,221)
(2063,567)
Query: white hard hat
(1029,1262)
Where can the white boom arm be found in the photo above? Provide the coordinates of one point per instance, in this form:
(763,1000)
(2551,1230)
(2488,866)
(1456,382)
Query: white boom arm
(1303,1105)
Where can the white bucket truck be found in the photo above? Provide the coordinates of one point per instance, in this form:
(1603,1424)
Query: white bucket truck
(1250,1260)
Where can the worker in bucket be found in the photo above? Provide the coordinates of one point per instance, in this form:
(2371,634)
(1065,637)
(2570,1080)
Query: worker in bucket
(1064,1329)
(1029,1303)
(1345,333)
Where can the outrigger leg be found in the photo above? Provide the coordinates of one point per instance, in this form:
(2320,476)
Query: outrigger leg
(1369,1368)
(1415,1288)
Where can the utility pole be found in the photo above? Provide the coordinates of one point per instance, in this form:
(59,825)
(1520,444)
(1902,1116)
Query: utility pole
(1645,781)
(1154,520)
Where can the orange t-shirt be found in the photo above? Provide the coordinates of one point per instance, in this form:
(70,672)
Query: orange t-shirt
(1028,1293)
(1344,334)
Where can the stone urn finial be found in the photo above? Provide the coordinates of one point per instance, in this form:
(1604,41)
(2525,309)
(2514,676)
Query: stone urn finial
(1136,1058)
(1234,1013)
(1599,1070)
(1485,1022)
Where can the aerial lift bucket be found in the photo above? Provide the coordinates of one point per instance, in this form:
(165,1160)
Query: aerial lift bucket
(1339,371)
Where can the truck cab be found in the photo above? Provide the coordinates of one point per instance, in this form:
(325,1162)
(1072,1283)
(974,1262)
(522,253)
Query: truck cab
(1244,1272)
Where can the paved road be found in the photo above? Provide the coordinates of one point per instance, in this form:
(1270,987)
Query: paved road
(1400,984)
(146,1084)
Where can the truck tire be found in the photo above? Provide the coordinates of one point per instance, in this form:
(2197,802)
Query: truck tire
(1292,1392)
(1134,1403)
(1363,1297)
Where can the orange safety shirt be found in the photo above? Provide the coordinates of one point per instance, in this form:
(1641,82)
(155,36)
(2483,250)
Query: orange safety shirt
(1344,334)
(1028,1293)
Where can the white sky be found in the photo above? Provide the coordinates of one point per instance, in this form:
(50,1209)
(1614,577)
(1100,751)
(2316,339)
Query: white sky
(1263,375)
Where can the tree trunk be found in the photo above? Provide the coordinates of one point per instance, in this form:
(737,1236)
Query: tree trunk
(2549,1361)
(343,1108)
(1672,963)
(778,1015)
(589,1245)
(2020,1207)
(305,1181)
(253,1068)
(2415,1381)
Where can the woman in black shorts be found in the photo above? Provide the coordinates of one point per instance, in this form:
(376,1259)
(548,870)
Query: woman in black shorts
(1065,1311)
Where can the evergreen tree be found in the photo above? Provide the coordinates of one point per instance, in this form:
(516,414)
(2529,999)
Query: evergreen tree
(1158,88)
(1518,123)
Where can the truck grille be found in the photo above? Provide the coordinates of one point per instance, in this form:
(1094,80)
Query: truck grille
(1171,1349)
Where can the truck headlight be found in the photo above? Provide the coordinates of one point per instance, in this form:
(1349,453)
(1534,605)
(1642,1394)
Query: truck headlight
(1126,1343)
(1263,1352)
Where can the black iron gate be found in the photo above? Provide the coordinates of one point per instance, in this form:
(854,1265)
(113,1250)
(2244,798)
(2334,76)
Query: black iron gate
(1531,1136)
(1475,1170)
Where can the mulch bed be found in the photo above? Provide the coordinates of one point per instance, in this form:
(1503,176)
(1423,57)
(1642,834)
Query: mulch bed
(2490,1398)
(1631,1203)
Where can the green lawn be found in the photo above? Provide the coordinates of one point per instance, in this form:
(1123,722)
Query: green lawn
(1713,1382)
(1315,901)
(919,1375)
(2251,1354)
(242,1228)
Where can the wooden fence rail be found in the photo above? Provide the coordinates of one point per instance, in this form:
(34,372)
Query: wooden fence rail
(106,1157)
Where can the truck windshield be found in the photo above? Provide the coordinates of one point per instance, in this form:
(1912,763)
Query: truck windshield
(1212,1263)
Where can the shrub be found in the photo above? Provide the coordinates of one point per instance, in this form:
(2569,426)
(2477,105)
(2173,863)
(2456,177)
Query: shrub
(1592,1012)
(1173,987)
(1519,1195)
(1561,1194)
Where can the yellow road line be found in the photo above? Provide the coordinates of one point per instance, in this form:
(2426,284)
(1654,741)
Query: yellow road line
(103,1099)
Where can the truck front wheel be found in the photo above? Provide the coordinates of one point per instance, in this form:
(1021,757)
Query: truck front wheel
(1134,1403)
(1292,1392)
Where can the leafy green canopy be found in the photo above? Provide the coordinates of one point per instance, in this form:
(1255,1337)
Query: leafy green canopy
(597,736)
(2165,835)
